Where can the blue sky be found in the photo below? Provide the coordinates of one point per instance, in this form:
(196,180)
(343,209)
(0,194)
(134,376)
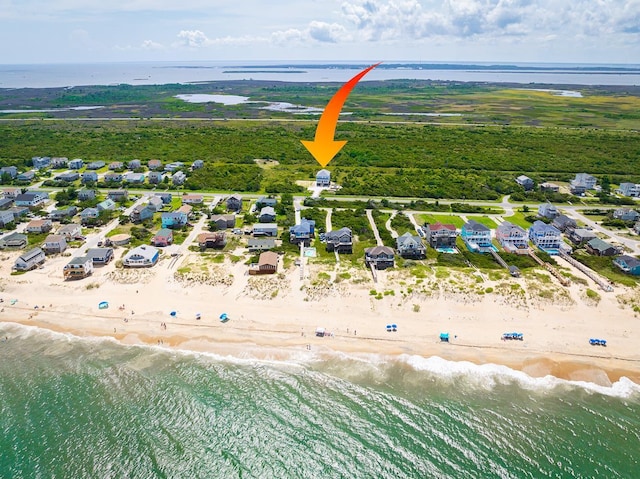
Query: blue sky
(64,31)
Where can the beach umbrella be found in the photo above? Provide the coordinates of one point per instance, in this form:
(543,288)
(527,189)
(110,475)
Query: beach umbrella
(173,313)
(223,316)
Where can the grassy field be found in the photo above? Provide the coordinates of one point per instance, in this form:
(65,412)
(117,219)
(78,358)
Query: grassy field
(444,219)
(485,220)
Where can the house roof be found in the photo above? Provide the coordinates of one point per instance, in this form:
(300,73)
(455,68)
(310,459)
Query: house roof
(473,225)
(523,178)
(228,217)
(98,252)
(252,242)
(38,223)
(441,226)
(542,227)
(323,173)
(164,233)
(268,258)
(146,251)
(69,228)
(599,245)
(54,239)
(378,250)
(630,261)
(564,220)
(338,233)
(268,210)
(29,255)
(265,226)
(583,233)
(81,260)
(507,226)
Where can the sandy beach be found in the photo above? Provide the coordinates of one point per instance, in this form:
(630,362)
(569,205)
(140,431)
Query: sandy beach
(276,316)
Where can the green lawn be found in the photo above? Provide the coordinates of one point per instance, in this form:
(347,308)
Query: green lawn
(518,218)
(485,220)
(445,219)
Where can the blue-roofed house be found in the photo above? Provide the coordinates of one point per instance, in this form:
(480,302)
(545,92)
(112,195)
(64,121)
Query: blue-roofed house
(476,236)
(323,178)
(546,237)
(26,176)
(89,177)
(107,205)
(175,219)
(302,232)
(12,171)
(628,264)
(41,162)
(76,164)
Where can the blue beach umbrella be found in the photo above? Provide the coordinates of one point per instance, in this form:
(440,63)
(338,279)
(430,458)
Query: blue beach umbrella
(174,313)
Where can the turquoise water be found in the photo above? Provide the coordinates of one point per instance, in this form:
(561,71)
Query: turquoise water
(81,408)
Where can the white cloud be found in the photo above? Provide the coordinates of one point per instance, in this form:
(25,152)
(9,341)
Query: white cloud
(151,45)
(193,39)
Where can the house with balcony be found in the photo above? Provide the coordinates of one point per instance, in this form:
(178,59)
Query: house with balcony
(106,205)
(626,214)
(547,210)
(87,214)
(85,195)
(59,162)
(564,223)
(6,203)
(266,201)
(224,221)
(476,236)
(68,177)
(11,192)
(165,197)
(39,226)
(628,264)
(26,176)
(525,182)
(116,166)
(174,219)
(113,177)
(379,257)
(63,213)
(54,244)
(14,241)
(267,264)
(192,199)
(154,164)
(410,246)
(136,178)
(629,189)
(164,237)
(340,240)
(303,232)
(143,256)
(78,268)
(550,187)
(76,164)
(118,195)
(580,236)
(89,177)
(6,217)
(582,183)
(156,203)
(142,213)
(40,162)
(178,178)
(100,256)
(512,238)
(267,215)
(155,177)
(265,229)
(598,247)
(323,178)
(260,244)
(176,165)
(30,260)
(12,171)
(70,231)
(234,203)
(440,236)
(214,239)
(546,237)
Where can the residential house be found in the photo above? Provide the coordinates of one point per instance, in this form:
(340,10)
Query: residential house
(63,213)
(178,178)
(54,244)
(260,244)
(192,199)
(116,166)
(68,177)
(11,192)
(12,171)
(525,182)
(89,177)
(339,240)
(598,247)
(6,217)
(88,214)
(512,237)
(175,219)
(380,257)
(212,240)
(19,211)
(100,256)
(156,203)
(547,210)
(155,177)
(137,178)
(14,240)
(265,229)
(303,232)
(410,246)
(76,164)
(224,221)
(70,231)
(551,187)
(476,236)
(171,167)
(40,162)
(267,263)
(563,223)
(95,165)
(629,189)
(628,264)
(585,179)
(117,195)
(113,177)
(107,205)
(154,164)
(546,237)
(267,215)
(134,164)
(440,236)
(186,209)
(234,203)
(165,197)
(78,268)
(6,203)
(30,260)
(579,236)
(626,214)
(85,195)
(141,256)
(142,213)
(59,162)
(197,165)
(26,176)
(164,237)
(323,178)
(39,226)
(31,199)
(265,201)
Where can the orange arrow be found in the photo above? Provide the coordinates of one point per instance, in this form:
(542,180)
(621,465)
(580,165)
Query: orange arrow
(324,147)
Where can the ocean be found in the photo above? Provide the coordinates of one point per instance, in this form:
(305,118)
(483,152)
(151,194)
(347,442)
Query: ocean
(148,73)
(90,408)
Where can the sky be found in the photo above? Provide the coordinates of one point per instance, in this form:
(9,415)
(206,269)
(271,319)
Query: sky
(541,31)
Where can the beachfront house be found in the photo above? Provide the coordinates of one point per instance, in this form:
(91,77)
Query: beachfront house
(118,195)
(29,260)
(628,264)
(629,189)
(54,244)
(380,257)
(155,177)
(154,164)
(265,201)
(551,187)
(134,164)
(68,177)
(545,237)
(564,223)
(234,203)
(476,236)
(192,199)
(512,237)
(85,195)
(164,237)
(265,229)
(14,241)
(89,177)
(76,164)
(6,217)
(547,210)
(525,182)
(142,213)
(626,214)
(70,231)
(323,178)
(260,244)
(100,256)
(303,232)
(141,256)
(40,162)
(178,178)
(598,247)
(340,241)
(39,226)
(216,240)
(579,236)
(410,246)
(106,205)
(224,221)
(32,199)
(267,215)
(95,165)
(174,219)
(267,263)
(78,268)
(440,236)
(12,171)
